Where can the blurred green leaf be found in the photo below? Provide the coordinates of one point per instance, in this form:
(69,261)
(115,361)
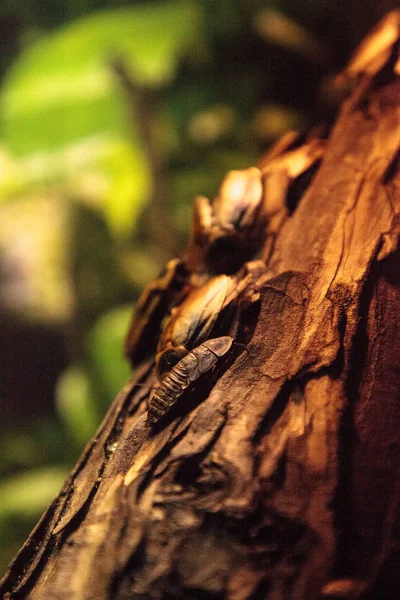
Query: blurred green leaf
(64,117)
(105,346)
(24,446)
(76,405)
(141,266)
(129,186)
(28,494)
(19,450)
(103,172)
(62,89)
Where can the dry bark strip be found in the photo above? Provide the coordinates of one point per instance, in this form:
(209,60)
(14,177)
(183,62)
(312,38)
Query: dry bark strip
(277,476)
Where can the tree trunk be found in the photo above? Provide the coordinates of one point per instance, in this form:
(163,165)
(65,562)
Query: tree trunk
(276,475)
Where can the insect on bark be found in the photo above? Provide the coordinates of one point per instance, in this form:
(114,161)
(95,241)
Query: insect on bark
(200,360)
(191,323)
(227,231)
(153,305)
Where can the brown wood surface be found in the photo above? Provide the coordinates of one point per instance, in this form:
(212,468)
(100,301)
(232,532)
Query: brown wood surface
(276,476)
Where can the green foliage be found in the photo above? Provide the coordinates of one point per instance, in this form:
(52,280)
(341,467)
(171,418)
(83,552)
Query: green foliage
(69,71)
(63,113)
(76,405)
(42,484)
(19,450)
(105,342)
(22,500)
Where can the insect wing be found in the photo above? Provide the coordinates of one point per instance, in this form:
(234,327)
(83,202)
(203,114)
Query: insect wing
(213,302)
(190,323)
(220,345)
(239,196)
(209,353)
(151,308)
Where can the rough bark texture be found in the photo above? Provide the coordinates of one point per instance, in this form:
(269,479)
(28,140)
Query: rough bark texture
(276,475)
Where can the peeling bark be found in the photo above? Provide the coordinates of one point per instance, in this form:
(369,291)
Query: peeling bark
(276,475)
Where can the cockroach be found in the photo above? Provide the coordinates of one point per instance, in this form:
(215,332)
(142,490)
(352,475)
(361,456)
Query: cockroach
(227,231)
(225,234)
(191,323)
(200,360)
(153,306)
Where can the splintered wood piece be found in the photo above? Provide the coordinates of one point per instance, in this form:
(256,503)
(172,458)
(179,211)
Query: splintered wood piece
(276,476)
(375,51)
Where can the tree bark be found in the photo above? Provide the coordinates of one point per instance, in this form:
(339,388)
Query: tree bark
(276,475)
